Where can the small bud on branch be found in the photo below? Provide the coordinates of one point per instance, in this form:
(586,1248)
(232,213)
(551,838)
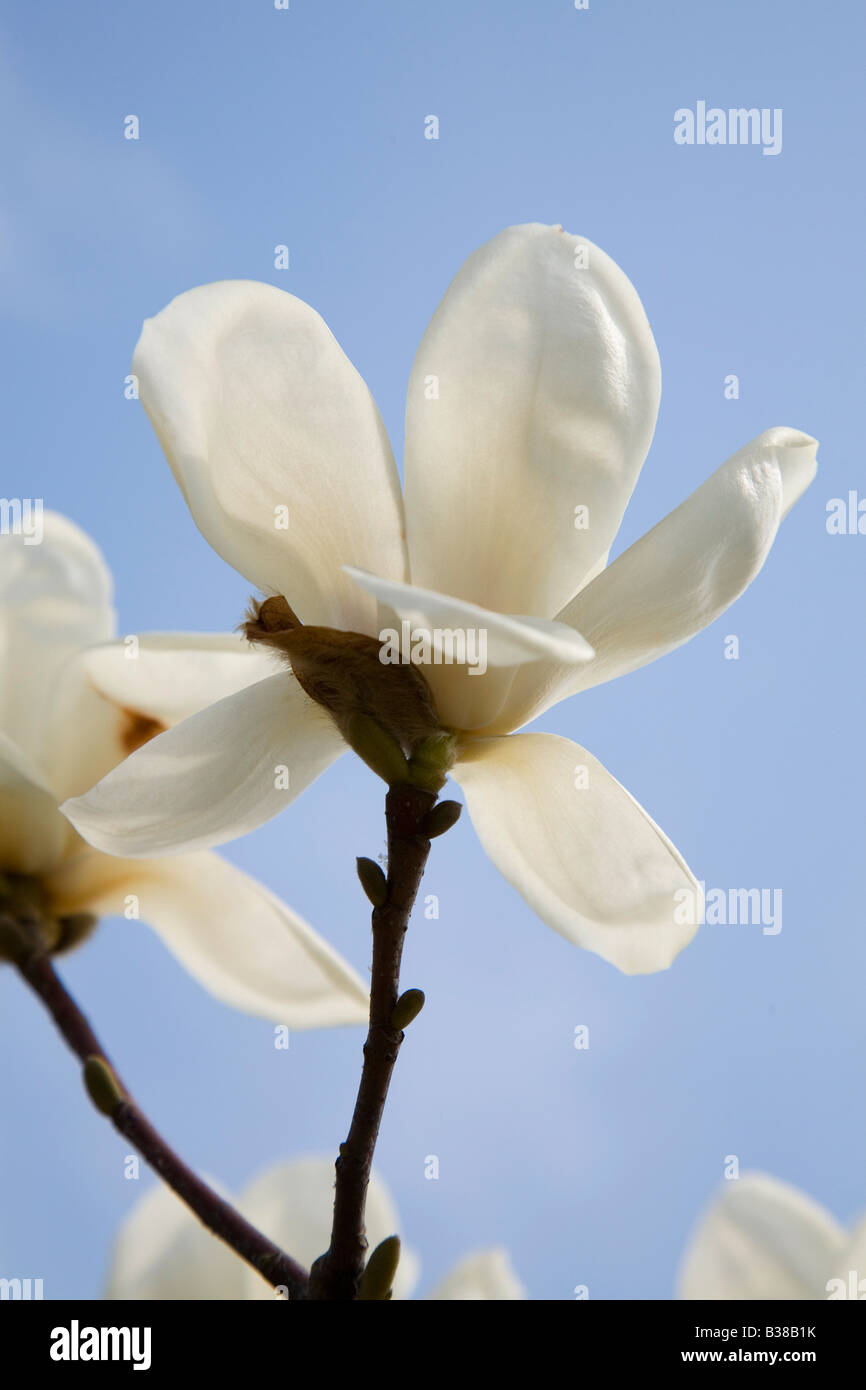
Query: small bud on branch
(102,1085)
(407,1008)
(441,818)
(373,881)
(377,1281)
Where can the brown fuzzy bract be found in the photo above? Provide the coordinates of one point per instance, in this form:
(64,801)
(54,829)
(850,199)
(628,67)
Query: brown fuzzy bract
(267,618)
(342,672)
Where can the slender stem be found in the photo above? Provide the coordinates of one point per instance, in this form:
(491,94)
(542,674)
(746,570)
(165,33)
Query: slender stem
(337,1274)
(279,1269)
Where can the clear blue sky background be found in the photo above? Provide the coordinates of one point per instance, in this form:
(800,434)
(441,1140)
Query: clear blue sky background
(305,127)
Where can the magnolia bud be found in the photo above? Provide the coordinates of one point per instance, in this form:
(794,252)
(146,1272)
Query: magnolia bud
(373,881)
(441,818)
(378,1278)
(407,1008)
(102,1085)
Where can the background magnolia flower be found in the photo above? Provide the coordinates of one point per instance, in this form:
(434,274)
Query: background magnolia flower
(762,1238)
(162,1252)
(69,711)
(532,403)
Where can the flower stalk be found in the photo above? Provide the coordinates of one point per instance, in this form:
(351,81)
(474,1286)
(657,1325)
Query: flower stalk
(337,1274)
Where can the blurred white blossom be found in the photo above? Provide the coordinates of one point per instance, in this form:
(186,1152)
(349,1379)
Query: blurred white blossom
(162,1252)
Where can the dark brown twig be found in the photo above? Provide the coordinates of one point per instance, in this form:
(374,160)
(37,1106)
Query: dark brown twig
(279,1269)
(336,1275)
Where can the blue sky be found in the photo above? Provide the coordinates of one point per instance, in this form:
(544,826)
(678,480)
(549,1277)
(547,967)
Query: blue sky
(306,128)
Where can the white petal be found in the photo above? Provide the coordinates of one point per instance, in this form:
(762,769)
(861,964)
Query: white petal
(682,574)
(760,1238)
(212,778)
(486,1275)
(548,390)
(171,675)
(294,1203)
(586,858)
(237,939)
(258,409)
(495,644)
(32,831)
(163,1252)
(114,697)
(55,596)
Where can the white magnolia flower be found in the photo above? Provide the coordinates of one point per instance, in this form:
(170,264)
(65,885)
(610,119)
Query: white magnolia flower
(69,711)
(162,1252)
(762,1238)
(532,403)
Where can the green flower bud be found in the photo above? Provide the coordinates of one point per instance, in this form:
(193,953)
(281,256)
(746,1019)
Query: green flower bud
(373,881)
(378,1278)
(102,1085)
(441,818)
(407,1008)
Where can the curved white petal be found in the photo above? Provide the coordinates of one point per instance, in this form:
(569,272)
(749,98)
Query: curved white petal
(213,777)
(761,1238)
(171,675)
(241,942)
(486,1275)
(469,693)
(115,697)
(163,1252)
(32,831)
(534,392)
(294,1203)
(55,597)
(579,849)
(682,574)
(259,410)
